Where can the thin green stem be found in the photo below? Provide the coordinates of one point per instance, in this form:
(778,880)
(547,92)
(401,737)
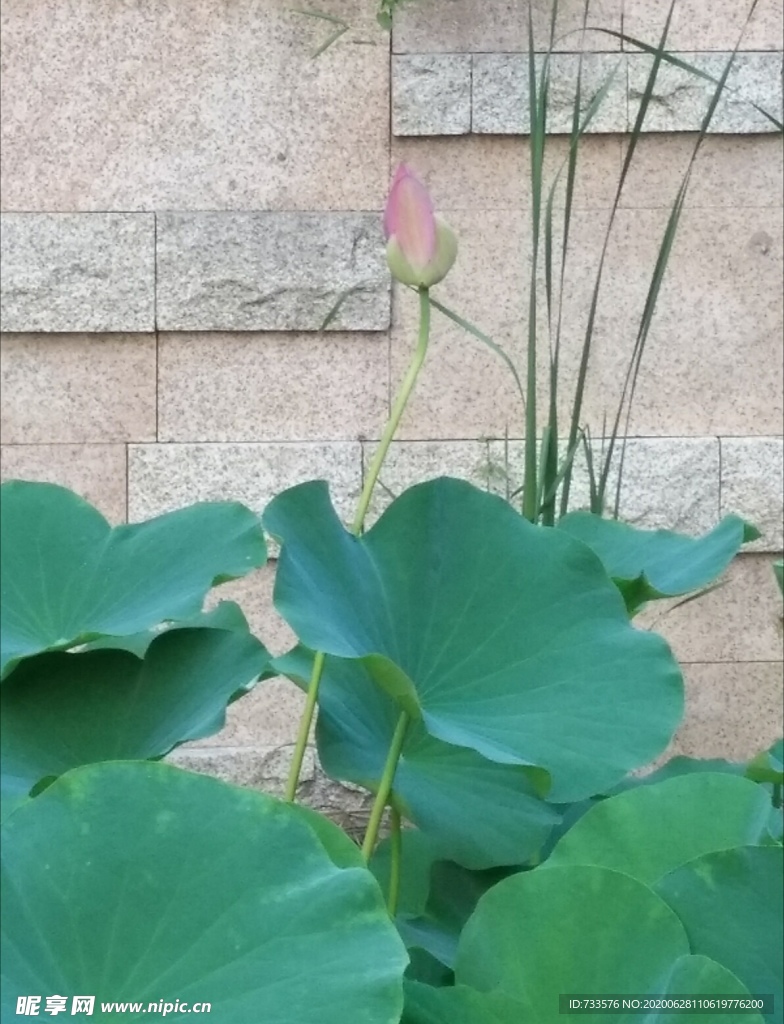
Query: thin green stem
(396,851)
(397,410)
(384,787)
(359,521)
(304,729)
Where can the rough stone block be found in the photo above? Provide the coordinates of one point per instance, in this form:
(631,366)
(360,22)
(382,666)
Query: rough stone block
(94,471)
(271,271)
(77,388)
(162,477)
(752,485)
(667,483)
(501,95)
(431,94)
(281,387)
(412,462)
(77,272)
(681,99)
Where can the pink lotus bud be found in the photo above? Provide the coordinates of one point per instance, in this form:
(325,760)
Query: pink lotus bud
(421,248)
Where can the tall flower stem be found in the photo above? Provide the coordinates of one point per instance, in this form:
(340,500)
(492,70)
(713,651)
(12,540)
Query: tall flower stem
(396,851)
(295,768)
(384,787)
(396,414)
(397,410)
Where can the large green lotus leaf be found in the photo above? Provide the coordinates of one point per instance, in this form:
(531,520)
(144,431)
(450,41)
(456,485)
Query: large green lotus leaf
(436,896)
(143,882)
(679,766)
(68,577)
(225,615)
(480,813)
(651,564)
(419,853)
(731,903)
(650,831)
(548,932)
(456,1005)
(61,710)
(693,975)
(503,637)
(453,894)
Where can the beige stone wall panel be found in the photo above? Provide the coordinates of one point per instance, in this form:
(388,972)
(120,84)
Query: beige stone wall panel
(112,104)
(712,363)
(740,621)
(732,711)
(706,24)
(96,472)
(728,172)
(277,387)
(501,26)
(77,388)
(480,172)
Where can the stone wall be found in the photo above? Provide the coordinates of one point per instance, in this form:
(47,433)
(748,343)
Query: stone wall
(186,193)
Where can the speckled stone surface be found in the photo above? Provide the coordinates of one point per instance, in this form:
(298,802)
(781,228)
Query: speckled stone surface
(119,105)
(740,621)
(77,272)
(482,172)
(712,362)
(732,711)
(501,96)
(438,26)
(697,25)
(77,388)
(412,462)
(162,477)
(730,171)
(254,594)
(681,99)
(277,387)
(752,485)
(431,94)
(96,472)
(270,272)
(668,483)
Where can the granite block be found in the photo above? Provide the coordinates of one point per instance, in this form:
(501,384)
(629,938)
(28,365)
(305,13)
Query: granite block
(431,94)
(62,272)
(271,271)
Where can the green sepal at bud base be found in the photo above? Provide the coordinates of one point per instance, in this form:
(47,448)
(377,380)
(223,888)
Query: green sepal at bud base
(437,268)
